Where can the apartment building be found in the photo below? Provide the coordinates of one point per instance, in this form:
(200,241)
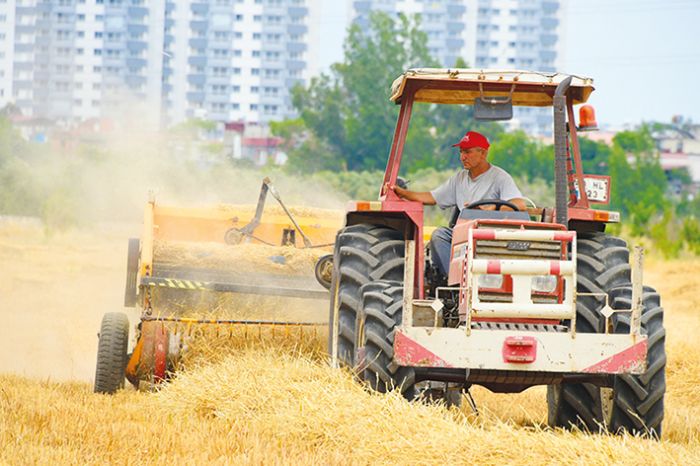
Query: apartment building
(7,46)
(224,60)
(233,60)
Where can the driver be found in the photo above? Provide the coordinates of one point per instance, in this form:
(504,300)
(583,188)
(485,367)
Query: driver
(478,181)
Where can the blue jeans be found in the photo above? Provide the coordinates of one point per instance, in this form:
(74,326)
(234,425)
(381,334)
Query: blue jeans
(441,249)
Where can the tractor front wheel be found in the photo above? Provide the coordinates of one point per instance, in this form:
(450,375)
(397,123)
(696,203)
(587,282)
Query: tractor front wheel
(383,310)
(111,353)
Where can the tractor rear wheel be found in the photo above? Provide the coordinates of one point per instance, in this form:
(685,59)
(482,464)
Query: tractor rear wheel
(383,310)
(602,264)
(637,402)
(111,352)
(363,253)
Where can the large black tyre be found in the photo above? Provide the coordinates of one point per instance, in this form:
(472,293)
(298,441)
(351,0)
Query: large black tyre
(363,253)
(132,270)
(383,310)
(602,265)
(638,400)
(111,353)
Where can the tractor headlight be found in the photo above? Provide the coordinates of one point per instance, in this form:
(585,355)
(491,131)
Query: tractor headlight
(490,281)
(544,283)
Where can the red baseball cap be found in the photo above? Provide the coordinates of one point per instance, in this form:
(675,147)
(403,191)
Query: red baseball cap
(473,139)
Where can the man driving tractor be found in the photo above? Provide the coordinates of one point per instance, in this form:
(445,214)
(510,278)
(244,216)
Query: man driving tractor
(478,181)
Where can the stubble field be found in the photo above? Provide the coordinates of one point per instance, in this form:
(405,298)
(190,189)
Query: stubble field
(272,401)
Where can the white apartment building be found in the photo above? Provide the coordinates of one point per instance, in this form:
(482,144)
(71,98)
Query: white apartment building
(224,60)
(7,50)
(505,34)
(233,60)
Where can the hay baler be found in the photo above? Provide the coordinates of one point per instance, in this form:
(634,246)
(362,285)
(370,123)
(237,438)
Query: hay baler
(213,266)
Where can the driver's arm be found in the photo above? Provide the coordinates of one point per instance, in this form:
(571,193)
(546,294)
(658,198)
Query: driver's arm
(519,203)
(425,197)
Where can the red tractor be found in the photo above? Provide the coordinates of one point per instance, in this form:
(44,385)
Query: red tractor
(543,297)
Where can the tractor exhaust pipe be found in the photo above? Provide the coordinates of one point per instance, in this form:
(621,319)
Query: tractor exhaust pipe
(560,154)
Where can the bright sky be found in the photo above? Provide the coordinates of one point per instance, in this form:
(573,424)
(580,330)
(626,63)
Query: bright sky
(644,55)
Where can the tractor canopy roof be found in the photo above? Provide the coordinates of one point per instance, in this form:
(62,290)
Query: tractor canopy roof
(462,86)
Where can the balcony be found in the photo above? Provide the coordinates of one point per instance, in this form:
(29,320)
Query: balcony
(455,26)
(197,61)
(296,47)
(297,29)
(136,46)
(132,62)
(198,43)
(200,8)
(137,11)
(362,6)
(136,29)
(135,81)
(455,11)
(548,39)
(454,43)
(295,65)
(548,55)
(197,79)
(195,96)
(297,11)
(549,23)
(199,25)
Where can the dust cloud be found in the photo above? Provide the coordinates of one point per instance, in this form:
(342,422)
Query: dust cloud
(64,267)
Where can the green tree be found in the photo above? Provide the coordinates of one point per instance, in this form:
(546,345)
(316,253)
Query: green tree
(349,111)
(595,156)
(637,188)
(523,157)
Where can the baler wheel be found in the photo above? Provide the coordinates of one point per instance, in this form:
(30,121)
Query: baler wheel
(363,253)
(111,353)
(324,271)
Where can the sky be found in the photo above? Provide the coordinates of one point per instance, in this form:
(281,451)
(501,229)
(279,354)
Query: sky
(644,55)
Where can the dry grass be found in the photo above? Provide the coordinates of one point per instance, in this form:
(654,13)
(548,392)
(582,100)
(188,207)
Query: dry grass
(271,398)
(242,258)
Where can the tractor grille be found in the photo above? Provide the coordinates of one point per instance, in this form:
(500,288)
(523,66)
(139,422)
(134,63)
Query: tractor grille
(502,249)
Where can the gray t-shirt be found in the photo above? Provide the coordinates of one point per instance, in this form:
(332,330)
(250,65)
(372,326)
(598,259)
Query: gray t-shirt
(494,183)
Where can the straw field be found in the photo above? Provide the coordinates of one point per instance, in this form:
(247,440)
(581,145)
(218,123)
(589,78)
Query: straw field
(270,398)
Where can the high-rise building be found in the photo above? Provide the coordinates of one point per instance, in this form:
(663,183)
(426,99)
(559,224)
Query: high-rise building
(233,60)
(504,34)
(7,49)
(443,22)
(224,60)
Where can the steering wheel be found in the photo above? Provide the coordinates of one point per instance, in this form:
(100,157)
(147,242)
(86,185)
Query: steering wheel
(498,203)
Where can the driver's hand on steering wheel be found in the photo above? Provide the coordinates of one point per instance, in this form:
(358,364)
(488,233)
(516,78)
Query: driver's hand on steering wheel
(482,207)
